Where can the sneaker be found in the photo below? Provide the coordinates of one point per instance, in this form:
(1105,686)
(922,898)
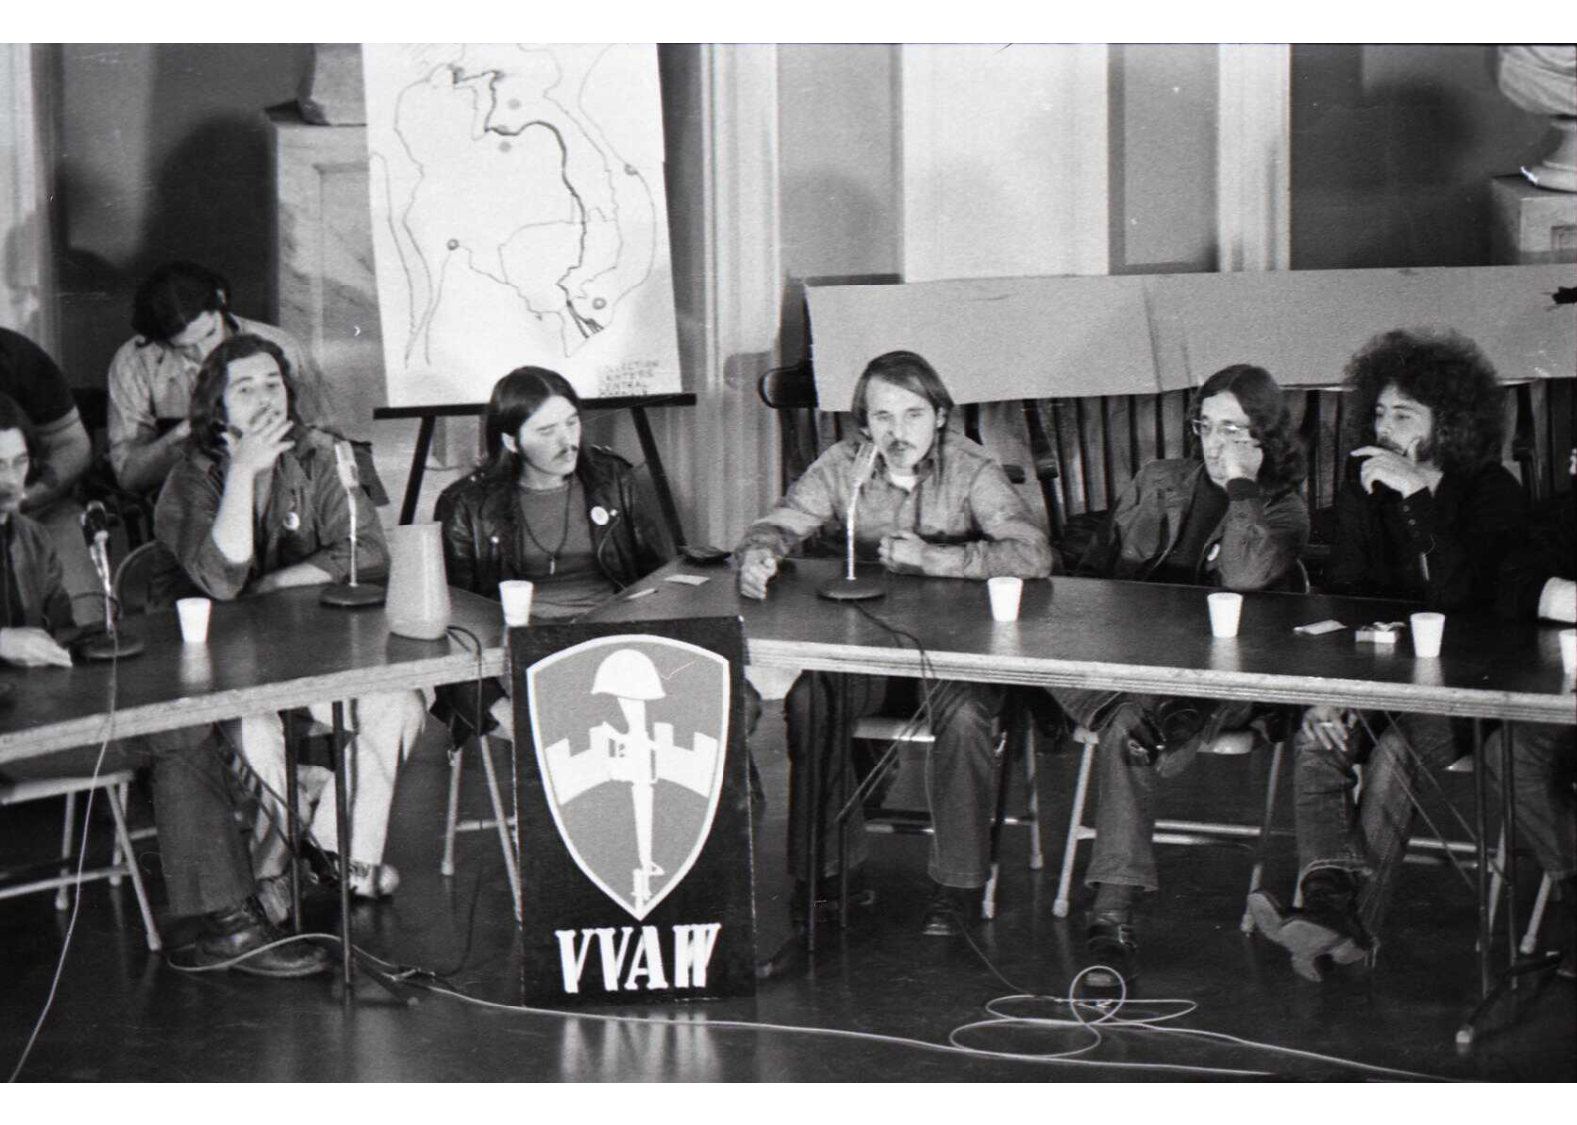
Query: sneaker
(373,880)
(1327,925)
(949,910)
(273,894)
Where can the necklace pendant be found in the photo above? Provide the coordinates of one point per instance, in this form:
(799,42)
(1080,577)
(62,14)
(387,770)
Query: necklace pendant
(553,565)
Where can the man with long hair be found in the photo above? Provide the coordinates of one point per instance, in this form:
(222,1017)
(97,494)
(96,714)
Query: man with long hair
(933,503)
(1428,517)
(256,505)
(1227,516)
(201,855)
(546,507)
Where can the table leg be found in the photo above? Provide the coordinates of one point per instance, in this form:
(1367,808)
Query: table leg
(1481,826)
(342,821)
(811,816)
(292,821)
(844,767)
(1508,822)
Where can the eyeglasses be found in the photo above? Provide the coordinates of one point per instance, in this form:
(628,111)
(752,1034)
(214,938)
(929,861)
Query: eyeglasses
(1230,431)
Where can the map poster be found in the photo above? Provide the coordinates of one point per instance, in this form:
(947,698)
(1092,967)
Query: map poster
(519,217)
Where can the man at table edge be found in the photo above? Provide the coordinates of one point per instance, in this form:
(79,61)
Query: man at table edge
(206,870)
(932,502)
(1429,516)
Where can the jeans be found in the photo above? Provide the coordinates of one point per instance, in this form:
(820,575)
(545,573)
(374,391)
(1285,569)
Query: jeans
(1125,809)
(200,849)
(1369,836)
(385,726)
(1543,762)
(960,772)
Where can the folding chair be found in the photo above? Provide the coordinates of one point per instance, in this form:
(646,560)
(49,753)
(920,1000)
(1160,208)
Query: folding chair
(122,863)
(502,824)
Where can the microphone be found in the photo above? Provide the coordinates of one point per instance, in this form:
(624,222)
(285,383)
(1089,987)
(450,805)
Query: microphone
(850,588)
(351,595)
(95,522)
(112,643)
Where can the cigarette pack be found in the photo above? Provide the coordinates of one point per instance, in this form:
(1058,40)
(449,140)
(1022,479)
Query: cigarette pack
(1380,633)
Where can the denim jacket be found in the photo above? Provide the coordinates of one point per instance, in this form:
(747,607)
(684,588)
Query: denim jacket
(973,521)
(307,521)
(1256,544)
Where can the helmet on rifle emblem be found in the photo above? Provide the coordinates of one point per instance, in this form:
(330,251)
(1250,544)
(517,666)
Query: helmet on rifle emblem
(628,674)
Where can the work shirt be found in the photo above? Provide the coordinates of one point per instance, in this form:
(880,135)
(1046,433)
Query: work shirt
(306,520)
(974,523)
(151,384)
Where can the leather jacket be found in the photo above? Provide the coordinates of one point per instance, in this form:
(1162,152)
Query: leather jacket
(481,544)
(482,548)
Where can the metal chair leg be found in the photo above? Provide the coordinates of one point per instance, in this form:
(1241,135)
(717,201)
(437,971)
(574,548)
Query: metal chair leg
(505,841)
(456,764)
(1081,791)
(123,837)
(1530,938)
(68,830)
(1246,923)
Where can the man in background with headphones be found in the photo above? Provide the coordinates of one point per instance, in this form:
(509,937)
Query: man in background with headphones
(931,502)
(180,314)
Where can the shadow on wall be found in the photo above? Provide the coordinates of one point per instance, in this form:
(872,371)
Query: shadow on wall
(1393,150)
(192,116)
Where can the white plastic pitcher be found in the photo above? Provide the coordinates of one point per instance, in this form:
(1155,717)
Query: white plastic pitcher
(418,600)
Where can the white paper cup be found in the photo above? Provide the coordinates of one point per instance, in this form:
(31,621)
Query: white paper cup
(1225,610)
(516,596)
(1428,628)
(1569,651)
(1005,593)
(194,619)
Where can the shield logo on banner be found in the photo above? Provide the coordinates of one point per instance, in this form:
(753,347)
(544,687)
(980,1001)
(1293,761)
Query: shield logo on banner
(630,733)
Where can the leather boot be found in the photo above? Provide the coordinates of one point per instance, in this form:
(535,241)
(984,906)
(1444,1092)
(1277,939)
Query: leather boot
(241,929)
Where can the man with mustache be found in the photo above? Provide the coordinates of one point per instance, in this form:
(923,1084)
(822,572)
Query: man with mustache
(256,505)
(1429,518)
(934,503)
(568,517)
(201,855)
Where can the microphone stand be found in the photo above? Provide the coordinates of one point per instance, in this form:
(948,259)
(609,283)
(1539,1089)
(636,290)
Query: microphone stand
(350,595)
(112,644)
(849,588)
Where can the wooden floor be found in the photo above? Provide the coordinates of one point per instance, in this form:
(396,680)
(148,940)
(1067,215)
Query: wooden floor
(122,1015)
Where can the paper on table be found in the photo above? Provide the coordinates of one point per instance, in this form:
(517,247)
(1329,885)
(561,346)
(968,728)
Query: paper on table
(689,579)
(1319,627)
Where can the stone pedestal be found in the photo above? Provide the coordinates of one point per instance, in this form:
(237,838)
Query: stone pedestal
(326,291)
(1530,226)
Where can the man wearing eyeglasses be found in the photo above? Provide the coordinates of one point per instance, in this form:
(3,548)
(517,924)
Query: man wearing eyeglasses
(1229,516)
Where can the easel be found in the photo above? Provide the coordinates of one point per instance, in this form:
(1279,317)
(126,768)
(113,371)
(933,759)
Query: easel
(428,415)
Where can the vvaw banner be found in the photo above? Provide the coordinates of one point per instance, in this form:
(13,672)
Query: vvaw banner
(634,811)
